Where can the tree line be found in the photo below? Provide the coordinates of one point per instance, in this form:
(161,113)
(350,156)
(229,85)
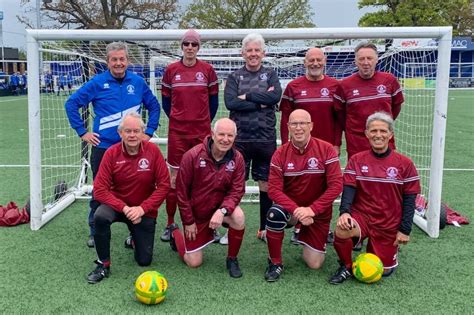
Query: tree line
(231,14)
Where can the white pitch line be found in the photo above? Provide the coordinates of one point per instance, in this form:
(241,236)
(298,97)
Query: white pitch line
(19,98)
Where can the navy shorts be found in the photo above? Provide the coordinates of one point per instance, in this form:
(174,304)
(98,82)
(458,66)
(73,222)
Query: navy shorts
(257,155)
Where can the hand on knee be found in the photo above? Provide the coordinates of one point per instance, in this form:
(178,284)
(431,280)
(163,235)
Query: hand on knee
(342,234)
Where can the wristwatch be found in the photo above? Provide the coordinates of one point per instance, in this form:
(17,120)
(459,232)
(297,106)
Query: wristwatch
(224,211)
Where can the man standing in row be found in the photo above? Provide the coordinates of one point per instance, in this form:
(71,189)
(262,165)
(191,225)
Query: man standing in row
(210,185)
(190,100)
(305,179)
(365,93)
(378,201)
(113,94)
(251,95)
(316,93)
(131,185)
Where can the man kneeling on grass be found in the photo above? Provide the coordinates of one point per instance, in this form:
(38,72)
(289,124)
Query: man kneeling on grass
(210,185)
(131,184)
(378,200)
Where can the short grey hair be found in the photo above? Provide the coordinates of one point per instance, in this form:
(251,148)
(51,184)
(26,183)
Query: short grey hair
(253,37)
(366,45)
(115,46)
(216,124)
(380,116)
(134,115)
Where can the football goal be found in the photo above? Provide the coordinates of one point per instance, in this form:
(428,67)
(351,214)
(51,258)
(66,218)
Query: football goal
(59,171)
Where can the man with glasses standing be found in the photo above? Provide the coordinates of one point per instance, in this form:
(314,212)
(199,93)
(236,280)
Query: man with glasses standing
(190,100)
(305,179)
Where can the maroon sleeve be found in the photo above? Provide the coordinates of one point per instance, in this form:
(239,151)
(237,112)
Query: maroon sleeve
(333,184)
(275,184)
(349,177)
(397,98)
(411,181)
(235,194)
(162,182)
(103,183)
(213,82)
(286,107)
(183,188)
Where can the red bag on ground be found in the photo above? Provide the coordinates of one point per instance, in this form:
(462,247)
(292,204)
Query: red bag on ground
(454,216)
(10,215)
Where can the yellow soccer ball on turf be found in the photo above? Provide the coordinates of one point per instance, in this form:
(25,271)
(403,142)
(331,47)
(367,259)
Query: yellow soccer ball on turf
(367,268)
(150,287)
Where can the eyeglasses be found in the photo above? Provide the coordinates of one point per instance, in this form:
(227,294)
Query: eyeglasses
(302,124)
(186,44)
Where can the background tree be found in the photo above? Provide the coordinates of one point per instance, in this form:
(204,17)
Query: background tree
(458,13)
(248,14)
(103,14)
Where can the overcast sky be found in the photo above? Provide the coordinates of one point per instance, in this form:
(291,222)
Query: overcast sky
(328,13)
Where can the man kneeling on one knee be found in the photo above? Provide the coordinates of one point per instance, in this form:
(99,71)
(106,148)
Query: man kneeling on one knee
(130,186)
(210,185)
(305,179)
(378,201)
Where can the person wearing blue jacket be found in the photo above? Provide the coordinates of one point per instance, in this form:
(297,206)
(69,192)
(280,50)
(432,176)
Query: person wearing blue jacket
(14,82)
(113,94)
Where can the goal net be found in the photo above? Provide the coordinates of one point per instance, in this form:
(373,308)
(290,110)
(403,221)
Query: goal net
(59,168)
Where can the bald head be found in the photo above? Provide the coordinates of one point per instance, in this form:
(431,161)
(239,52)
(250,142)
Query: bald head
(300,115)
(300,126)
(314,62)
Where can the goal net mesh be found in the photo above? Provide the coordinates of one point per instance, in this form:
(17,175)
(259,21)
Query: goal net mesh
(72,63)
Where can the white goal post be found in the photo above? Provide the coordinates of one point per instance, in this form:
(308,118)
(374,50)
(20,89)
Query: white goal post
(426,91)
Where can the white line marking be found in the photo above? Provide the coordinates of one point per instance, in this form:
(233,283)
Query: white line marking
(15,99)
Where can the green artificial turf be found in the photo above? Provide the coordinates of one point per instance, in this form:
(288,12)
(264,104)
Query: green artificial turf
(44,272)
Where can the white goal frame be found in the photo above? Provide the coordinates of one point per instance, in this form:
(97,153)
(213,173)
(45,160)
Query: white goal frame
(443,35)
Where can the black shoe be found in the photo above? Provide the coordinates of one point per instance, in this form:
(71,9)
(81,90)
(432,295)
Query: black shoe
(358,247)
(100,272)
(171,228)
(128,243)
(341,275)
(91,242)
(273,271)
(165,237)
(233,267)
(330,239)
